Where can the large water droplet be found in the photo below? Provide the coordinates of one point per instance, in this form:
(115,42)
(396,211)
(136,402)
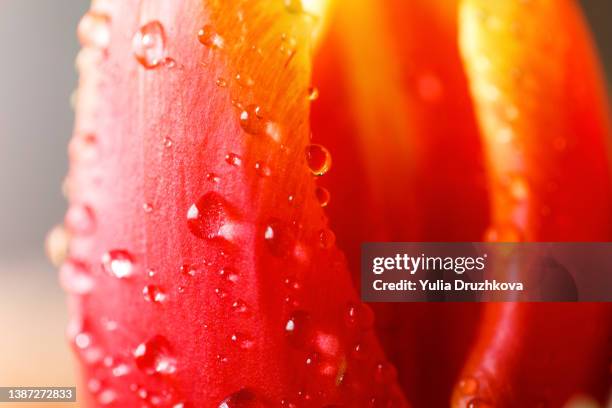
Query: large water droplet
(118,263)
(211,217)
(153,293)
(208,37)
(94,30)
(154,356)
(318,159)
(80,219)
(149,45)
(76,278)
(244,398)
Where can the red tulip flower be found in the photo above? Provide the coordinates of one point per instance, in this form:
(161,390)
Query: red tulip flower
(230,157)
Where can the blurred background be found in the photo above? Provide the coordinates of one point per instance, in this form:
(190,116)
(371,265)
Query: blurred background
(38,44)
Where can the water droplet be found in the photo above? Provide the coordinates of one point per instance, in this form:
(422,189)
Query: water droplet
(294,6)
(187,270)
(154,356)
(244,81)
(233,159)
(242,340)
(239,306)
(262,169)
(56,245)
(279,238)
(291,199)
(118,263)
(208,37)
(168,142)
(149,45)
(94,30)
(76,278)
(221,83)
(313,93)
(147,208)
(298,328)
(252,120)
(323,196)
(327,238)
(318,159)
(80,219)
(212,177)
(210,217)
(244,398)
(229,274)
(153,293)
(468,386)
(221,293)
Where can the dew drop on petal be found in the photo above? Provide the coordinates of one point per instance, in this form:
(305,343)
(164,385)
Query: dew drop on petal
(262,169)
(153,294)
(233,159)
(208,37)
(229,274)
(279,238)
(252,120)
(154,356)
(94,30)
(313,93)
(187,270)
(118,263)
(239,306)
(149,45)
(242,340)
(318,159)
(210,217)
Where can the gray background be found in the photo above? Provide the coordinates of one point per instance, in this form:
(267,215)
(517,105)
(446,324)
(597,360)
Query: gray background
(38,46)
